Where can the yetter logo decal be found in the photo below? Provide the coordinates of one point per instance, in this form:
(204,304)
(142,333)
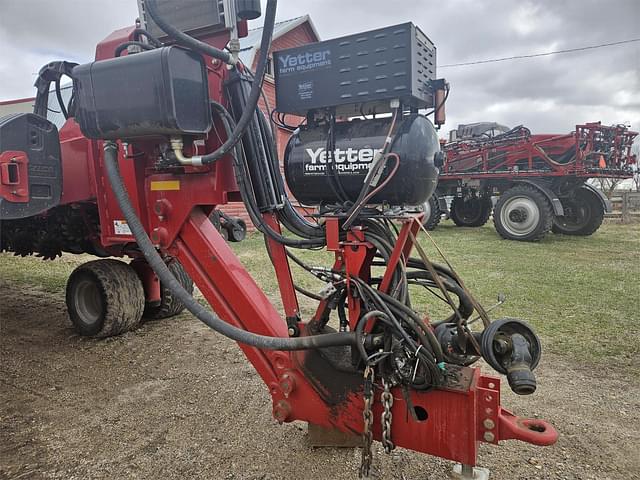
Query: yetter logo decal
(304,61)
(349,161)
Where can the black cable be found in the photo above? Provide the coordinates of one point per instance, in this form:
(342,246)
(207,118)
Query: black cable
(534,55)
(63,108)
(167,278)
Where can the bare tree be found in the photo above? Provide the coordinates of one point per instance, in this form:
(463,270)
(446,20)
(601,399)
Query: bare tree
(607,185)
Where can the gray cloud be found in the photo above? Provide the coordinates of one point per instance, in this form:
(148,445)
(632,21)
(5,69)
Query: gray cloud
(549,94)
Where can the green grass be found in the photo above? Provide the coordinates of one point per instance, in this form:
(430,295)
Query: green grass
(581,294)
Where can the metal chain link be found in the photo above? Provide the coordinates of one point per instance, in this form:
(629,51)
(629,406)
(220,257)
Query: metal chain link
(387,417)
(367,415)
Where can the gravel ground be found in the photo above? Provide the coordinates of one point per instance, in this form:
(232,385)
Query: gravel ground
(172,400)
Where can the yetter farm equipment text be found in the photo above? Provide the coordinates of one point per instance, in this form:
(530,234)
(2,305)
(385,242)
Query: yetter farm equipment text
(541,180)
(164,126)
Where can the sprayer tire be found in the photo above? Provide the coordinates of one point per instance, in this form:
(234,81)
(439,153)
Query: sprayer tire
(472,212)
(523,213)
(588,214)
(169,305)
(432,213)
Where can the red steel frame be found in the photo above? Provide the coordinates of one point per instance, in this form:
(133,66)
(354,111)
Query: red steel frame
(522,157)
(174,207)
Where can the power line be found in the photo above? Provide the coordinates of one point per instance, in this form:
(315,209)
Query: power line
(545,54)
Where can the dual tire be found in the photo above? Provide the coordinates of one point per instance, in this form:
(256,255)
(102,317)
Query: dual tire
(106,298)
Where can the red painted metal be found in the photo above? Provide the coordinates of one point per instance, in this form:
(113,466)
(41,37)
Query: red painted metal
(149,279)
(278,255)
(14,176)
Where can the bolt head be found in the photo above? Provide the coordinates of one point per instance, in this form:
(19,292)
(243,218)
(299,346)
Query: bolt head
(488,424)
(489,437)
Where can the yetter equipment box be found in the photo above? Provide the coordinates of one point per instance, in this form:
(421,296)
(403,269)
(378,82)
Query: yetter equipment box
(362,71)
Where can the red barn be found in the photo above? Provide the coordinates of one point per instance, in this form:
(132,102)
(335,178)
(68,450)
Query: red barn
(287,34)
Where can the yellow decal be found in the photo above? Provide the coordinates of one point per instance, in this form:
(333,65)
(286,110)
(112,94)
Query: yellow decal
(165,185)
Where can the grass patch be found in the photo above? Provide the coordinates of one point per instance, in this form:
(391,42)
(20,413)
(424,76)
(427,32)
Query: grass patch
(582,294)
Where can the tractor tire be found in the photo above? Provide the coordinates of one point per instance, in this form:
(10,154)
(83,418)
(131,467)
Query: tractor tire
(169,305)
(104,298)
(474,212)
(432,213)
(523,213)
(586,214)
(236,232)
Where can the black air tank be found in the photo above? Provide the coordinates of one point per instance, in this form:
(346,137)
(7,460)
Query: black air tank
(307,168)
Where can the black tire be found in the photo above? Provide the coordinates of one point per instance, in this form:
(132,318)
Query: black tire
(104,298)
(523,213)
(432,213)
(237,231)
(585,214)
(169,305)
(472,212)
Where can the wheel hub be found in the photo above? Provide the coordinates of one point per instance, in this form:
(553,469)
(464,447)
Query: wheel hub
(518,216)
(88,301)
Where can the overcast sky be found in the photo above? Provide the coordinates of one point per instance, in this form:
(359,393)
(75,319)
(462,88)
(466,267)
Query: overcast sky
(548,94)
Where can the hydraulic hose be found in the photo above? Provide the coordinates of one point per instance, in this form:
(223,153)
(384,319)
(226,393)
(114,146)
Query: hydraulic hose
(183,38)
(169,281)
(288,215)
(244,184)
(256,89)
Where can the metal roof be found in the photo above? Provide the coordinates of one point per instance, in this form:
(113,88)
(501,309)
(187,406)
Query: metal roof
(250,44)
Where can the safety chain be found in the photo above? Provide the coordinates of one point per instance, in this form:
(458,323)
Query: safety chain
(387,417)
(367,415)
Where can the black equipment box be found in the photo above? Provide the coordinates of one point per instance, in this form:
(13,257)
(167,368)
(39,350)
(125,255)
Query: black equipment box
(195,17)
(38,138)
(157,92)
(370,68)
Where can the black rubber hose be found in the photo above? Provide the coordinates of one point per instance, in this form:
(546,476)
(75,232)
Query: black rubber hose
(183,38)
(123,46)
(63,108)
(169,281)
(138,32)
(256,87)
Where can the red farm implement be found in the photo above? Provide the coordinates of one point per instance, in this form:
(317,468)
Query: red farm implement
(541,180)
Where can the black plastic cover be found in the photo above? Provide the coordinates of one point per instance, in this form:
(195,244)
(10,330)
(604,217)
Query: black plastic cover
(157,92)
(38,138)
(198,18)
(369,68)
(306,164)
